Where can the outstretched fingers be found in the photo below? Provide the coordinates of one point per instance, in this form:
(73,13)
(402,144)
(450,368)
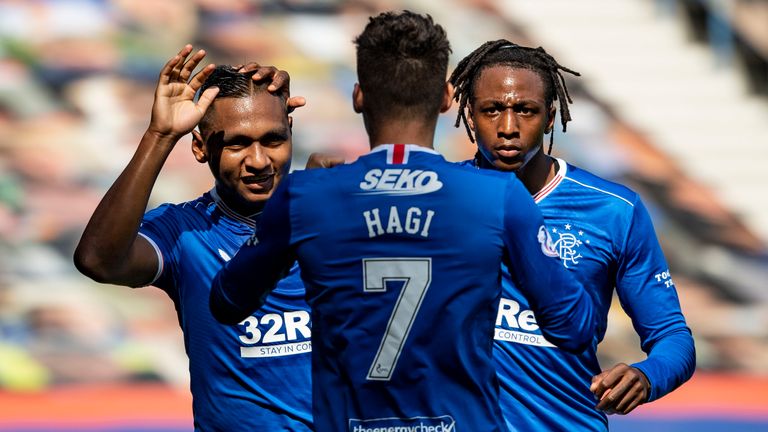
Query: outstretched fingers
(197,81)
(190,65)
(174,75)
(167,72)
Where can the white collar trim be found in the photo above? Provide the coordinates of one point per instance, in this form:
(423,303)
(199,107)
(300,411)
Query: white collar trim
(248,220)
(552,184)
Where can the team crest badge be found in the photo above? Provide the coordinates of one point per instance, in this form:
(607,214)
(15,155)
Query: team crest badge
(568,243)
(545,240)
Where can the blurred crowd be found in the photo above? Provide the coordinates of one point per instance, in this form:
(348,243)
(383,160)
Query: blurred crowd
(76,85)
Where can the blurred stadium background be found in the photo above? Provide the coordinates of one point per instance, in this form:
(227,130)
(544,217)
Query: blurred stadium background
(673,101)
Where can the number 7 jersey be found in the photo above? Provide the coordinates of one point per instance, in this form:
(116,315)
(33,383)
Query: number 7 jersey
(401,253)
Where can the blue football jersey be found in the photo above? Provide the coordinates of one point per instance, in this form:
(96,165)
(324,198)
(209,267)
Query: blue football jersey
(605,238)
(401,254)
(253,376)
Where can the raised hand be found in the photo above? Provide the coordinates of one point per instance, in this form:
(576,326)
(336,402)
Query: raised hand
(620,389)
(174,112)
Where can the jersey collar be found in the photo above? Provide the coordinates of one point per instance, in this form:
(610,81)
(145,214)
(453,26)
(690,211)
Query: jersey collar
(399,153)
(248,220)
(562,169)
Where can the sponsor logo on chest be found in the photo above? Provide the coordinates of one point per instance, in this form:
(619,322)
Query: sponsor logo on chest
(399,181)
(517,325)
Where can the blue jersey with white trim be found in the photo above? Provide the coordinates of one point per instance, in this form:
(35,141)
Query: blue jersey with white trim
(400,252)
(605,238)
(252,376)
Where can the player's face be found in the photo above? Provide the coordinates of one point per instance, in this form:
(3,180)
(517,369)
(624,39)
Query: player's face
(248,145)
(509,116)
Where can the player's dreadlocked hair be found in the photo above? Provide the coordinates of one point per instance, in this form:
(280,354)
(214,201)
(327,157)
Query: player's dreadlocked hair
(506,53)
(233,84)
(402,61)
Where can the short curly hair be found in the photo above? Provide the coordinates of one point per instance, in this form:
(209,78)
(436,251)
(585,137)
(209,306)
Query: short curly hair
(402,63)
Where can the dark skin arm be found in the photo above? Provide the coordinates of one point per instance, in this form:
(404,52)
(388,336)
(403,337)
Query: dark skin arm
(323,160)
(620,389)
(110,249)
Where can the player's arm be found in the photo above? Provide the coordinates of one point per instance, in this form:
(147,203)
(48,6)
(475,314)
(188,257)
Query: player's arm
(648,295)
(110,250)
(324,160)
(564,311)
(243,284)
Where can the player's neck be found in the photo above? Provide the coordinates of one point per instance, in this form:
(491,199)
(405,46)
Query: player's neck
(404,132)
(237,204)
(538,172)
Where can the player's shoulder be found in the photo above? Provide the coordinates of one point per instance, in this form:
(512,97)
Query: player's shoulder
(491,180)
(470,166)
(202,201)
(307,178)
(469,163)
(194,214)
(588,183)
(372,168)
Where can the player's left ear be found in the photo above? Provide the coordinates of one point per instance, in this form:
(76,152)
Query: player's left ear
(447,97)
(357,99)
(550,119)
(198,147)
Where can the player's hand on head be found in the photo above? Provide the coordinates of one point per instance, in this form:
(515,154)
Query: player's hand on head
(620,389)
(175,112)
(295,102)
(280,82)
(323,160)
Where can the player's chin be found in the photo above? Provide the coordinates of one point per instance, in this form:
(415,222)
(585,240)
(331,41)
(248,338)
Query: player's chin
(509,165)
(255,196)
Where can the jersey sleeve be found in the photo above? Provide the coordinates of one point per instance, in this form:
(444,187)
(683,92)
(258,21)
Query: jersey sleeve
(564,311)
(647,293)
(161,229)
(242,286)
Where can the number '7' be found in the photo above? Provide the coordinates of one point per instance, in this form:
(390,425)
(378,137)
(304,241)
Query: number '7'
(416,273)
